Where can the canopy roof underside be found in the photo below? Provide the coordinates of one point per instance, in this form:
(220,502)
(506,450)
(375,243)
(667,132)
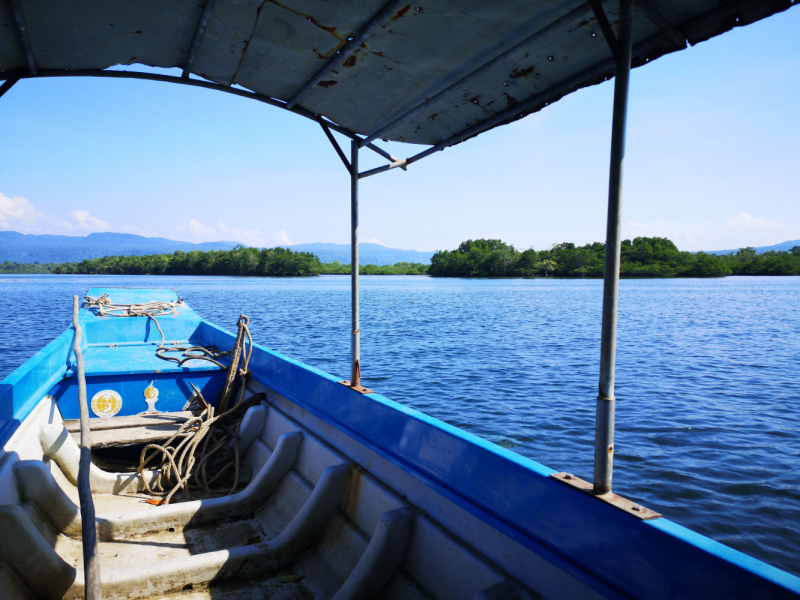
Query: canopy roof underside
(474,64)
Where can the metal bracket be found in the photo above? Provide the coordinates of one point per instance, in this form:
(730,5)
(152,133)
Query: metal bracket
(605,27)
(358,388)
(673,33)
(403,164)
(335,145)
(623,504)
(7,85)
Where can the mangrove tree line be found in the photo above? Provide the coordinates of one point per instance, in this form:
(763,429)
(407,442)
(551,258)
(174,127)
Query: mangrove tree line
(642,257)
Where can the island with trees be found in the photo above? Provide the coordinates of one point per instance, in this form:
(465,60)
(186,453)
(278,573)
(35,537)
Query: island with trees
(241,261)
(641,257)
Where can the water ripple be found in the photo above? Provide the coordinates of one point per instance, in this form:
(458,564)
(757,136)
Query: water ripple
(708,385)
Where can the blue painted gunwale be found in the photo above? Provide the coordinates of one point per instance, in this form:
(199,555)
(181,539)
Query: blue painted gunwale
(611,551)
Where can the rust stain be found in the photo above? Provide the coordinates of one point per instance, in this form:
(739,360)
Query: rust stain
(327,84)
(433,117)
(517,73)
(341,37)
(475,100)
(350,61)
(401,13)
(510,100)
(353,491)
(332,30)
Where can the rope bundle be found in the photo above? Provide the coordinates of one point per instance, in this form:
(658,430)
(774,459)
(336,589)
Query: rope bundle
(204,453)
(106,308)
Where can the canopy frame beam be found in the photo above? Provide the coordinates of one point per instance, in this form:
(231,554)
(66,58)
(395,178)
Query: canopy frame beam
(197,38)
(24,38)
(532,104)
(346,51)
(17,75)
(605,27)
(336,146)
(7,85)
(660,21)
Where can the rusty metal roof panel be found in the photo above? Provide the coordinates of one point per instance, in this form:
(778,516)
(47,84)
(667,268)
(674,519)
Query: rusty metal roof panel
(409,58)
(517,56)
(226,40)
(293,39)
(68,35)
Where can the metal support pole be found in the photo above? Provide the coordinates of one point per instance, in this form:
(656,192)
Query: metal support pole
(355,349)
(91,557)
(604,432)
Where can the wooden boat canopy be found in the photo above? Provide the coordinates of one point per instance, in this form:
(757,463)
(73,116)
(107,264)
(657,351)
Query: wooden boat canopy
(432,73)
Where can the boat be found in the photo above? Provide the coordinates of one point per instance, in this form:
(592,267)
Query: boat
(148,453)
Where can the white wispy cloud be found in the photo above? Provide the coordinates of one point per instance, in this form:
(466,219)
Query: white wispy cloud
(18,214)
(736,232)
(281,238)
(198,232)
(89,223)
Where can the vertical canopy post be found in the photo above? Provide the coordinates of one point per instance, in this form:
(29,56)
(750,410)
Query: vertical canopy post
(604,432)
(355,348)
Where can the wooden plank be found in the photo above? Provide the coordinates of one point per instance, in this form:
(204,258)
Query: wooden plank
(129,436)
(74,425)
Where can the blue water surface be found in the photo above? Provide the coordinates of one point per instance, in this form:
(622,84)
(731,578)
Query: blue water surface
(708,385)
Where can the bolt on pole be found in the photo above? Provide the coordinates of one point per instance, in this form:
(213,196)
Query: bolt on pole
(355,348)
(604,432)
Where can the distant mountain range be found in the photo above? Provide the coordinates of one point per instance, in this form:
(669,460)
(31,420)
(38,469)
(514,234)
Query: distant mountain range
(786,246)
(31,248)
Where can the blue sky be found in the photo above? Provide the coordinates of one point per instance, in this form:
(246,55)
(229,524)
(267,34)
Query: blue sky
(712,162)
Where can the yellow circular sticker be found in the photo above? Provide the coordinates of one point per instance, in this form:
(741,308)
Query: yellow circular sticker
(106,403)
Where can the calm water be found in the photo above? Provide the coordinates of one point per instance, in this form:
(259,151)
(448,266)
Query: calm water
(708,385)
